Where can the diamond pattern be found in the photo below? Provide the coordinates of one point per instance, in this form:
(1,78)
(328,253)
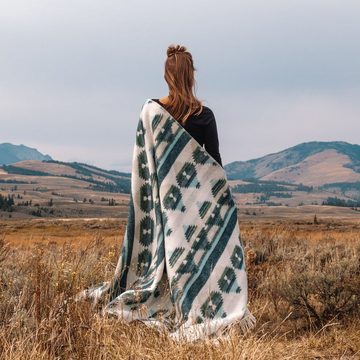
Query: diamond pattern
(146,200)
(172,199)
(186,177)
(212,305)
(143,165)
(237,257)
(188,265)
(227,282)
(146,231)
(144,262)
(200,157)
(201,242)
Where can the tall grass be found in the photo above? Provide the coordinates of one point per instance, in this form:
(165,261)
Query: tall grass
(303,292)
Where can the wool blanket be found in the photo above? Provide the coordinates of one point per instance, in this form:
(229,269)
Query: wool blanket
(182,263)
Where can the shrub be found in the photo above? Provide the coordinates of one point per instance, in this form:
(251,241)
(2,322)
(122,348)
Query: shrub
(324,289)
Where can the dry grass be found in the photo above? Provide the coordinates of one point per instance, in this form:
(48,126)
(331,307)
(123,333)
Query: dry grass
(303,282)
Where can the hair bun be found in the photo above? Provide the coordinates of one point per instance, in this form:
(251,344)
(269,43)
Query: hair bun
(175,49)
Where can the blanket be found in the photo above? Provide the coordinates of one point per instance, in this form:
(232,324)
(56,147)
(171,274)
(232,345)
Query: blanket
(182,263)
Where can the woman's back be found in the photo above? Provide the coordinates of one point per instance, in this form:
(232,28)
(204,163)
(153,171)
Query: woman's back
(203,129)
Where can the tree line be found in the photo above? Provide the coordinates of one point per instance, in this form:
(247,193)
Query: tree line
(6,202)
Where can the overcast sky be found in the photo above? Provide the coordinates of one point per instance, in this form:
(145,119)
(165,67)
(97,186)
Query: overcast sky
(75,73)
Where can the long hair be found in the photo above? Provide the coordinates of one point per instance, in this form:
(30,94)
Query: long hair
(179,75)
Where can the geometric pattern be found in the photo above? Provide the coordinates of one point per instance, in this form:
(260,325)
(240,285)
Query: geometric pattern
(146,230)
(189,231)
(175,256)
(237,258)
(182,259)
(143,165)
(172,199)
(217,185)
(213,305)
(187,176)
(203,208)
(143,262)
(227,281)
(146,201)
(188,265)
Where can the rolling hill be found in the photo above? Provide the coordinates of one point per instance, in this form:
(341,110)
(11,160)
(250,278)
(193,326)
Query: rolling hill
(50,188)
(43,171)
(312,163)
(10,154)
(315,173)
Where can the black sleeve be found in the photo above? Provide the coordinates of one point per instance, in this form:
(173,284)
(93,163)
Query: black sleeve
(212,141)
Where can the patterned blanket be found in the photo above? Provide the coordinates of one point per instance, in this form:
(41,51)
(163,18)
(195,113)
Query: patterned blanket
(182,261)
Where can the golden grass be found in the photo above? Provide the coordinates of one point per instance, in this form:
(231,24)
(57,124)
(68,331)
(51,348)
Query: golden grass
(44,263)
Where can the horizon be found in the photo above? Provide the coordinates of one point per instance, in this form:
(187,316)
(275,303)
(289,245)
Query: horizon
(270,81)
(225,164)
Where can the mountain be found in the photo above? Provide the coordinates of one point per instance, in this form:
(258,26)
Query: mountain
(10,154)
(313,163)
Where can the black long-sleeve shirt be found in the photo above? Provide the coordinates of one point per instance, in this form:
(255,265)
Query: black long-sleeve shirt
(203,129)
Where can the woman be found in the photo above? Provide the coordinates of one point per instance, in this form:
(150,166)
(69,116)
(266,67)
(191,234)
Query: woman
(182,263)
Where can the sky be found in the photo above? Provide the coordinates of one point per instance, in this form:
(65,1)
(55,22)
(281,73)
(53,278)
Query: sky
(74,74)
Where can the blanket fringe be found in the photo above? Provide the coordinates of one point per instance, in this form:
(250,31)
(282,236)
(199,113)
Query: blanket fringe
(247,322)
(213,332)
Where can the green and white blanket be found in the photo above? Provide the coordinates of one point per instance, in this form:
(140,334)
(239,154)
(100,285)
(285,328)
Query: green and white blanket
(182,263)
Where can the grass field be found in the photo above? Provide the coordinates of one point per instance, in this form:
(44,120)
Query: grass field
(304,290)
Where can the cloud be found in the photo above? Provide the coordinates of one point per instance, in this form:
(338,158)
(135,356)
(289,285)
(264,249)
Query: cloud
(74,74)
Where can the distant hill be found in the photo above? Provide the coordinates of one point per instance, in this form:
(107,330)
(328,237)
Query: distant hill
(312,163)
(43,172)
(10,154)
(49,188)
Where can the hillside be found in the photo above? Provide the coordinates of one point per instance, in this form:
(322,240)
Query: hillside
(313,163)
(10,154)
(44,171)
(60,189)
